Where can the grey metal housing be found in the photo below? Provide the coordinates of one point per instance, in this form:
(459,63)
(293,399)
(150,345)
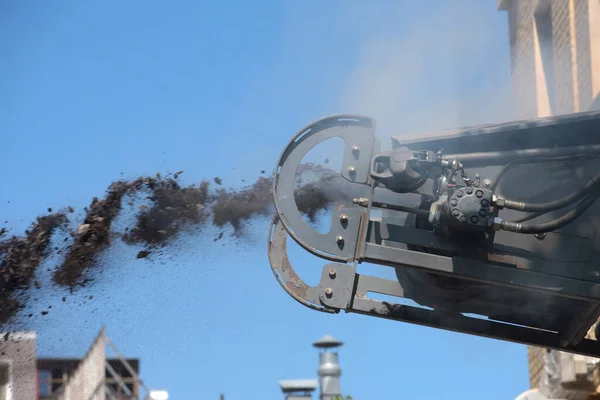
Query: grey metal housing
(541,290)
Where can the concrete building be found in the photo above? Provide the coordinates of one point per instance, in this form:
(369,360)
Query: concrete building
(555,69)
(555,55)
(18,366)
(23,376)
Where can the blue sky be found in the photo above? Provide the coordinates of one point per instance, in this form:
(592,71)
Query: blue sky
(96,91)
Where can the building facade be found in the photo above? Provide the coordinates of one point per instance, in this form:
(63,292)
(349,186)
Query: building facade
(555,69)
(18,369)
(555,55)
(24,376)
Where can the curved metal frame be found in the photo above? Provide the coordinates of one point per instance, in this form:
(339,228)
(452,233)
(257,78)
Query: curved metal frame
(358,135)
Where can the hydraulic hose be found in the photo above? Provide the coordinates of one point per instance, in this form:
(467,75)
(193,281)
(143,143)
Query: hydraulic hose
(555,204)
(555,224)
(529,217)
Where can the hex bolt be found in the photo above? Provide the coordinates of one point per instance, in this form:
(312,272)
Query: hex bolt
(355,148)
(339,239)
(477,175)
(487,182)
(329,292)
(351,169)
(332,273)
(596,274)
(540,236)
(343,218)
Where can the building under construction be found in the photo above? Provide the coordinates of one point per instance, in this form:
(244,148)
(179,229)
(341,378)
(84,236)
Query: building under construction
(23,376)
(555,68)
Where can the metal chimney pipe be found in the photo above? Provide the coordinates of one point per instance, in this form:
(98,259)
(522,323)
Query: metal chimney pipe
(329,368)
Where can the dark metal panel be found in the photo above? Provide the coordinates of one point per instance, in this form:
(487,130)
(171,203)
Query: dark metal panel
(563,131)
(473,326)
(484,272)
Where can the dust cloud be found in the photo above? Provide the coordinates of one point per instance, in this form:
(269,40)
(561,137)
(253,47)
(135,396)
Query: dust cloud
(433,73)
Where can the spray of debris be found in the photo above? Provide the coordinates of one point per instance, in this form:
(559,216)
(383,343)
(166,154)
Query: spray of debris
(20,257)
(174,209)
(93,235)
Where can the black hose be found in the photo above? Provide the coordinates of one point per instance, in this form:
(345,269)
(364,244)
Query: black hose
(555,204)
(529,217)
(555,224)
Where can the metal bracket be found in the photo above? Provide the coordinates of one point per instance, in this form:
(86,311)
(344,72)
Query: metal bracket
(335,288)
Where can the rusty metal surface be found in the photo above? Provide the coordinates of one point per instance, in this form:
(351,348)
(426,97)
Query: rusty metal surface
(337,285)
(474,326)
(285,274)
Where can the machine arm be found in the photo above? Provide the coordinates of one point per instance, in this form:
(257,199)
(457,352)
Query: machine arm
(453,230)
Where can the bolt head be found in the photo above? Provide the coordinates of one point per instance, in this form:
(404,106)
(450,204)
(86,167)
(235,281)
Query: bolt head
(496,223)
(351,169)
(339,239)
(597,274)
(332,272)
(355,148)
(343,218)
(328,292)
(487,182)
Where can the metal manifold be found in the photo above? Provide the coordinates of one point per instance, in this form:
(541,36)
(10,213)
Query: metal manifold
(491,230)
